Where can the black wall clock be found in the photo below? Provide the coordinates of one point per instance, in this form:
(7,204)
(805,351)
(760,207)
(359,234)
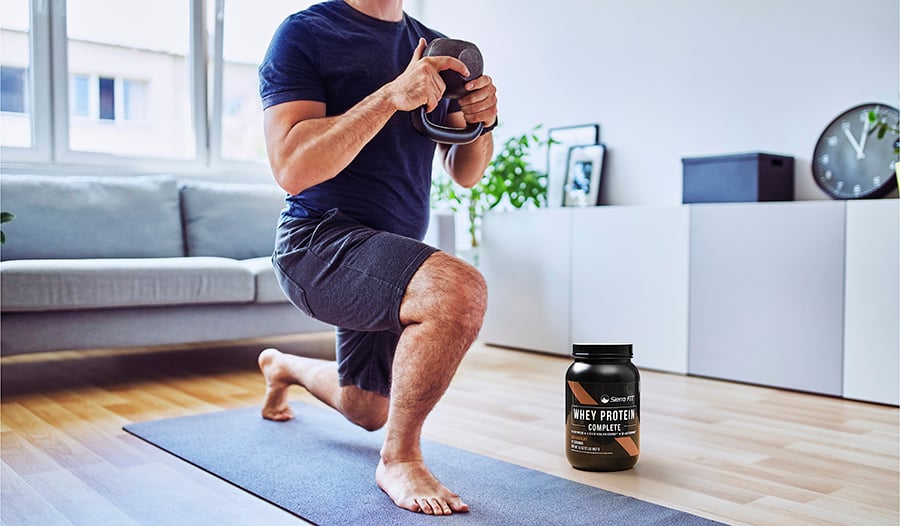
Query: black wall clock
(849,162)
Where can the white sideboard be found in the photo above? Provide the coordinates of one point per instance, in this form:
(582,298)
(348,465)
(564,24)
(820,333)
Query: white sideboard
(629,282)
(766,293)
(528,270)
(871,305)
(798,295)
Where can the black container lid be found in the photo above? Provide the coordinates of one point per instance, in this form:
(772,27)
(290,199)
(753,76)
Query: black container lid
(602,350)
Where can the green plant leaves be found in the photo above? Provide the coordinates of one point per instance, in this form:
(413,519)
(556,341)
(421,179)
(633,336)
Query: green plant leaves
(509,180)
(881,127)
(5,217)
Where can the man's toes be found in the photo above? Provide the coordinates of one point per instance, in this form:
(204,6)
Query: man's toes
(279,416)
(433,506)
(456,504)
(425,506)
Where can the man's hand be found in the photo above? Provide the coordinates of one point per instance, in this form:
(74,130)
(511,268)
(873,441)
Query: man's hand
(421,84)
(480,105)
(466,163)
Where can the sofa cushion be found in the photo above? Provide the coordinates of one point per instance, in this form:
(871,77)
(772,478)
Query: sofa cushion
(66,217)
(234,220)
(65,284)
(267,288)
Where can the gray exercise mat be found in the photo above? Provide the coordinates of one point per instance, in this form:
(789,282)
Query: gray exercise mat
(321,468)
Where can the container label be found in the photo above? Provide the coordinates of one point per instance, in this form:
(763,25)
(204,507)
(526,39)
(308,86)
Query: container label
(603,418)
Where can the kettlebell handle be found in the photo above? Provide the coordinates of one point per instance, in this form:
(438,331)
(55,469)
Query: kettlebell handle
(469,54)
(445,134)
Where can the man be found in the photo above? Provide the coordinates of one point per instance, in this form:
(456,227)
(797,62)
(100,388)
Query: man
(337,84)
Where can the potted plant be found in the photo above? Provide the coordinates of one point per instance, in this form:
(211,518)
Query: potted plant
(880,126)
(509,180)
(4,218)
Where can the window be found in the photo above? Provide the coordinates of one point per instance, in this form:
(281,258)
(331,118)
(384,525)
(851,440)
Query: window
(107,99)
(107,88)
(169,85)
(13,89)
(15,62)
(79,101)
(141,69)
(134,100)
(246,34)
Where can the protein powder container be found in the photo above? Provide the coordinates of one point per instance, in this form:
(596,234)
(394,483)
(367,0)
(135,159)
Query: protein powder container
(603,408)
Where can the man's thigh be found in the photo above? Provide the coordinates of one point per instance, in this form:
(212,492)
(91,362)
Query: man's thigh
(346,274)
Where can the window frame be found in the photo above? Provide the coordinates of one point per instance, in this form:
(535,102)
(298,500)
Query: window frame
(40,112)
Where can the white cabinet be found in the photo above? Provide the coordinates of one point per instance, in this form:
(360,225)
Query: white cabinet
(630,281)
(766,289)
(526,260)
(800,295)
(871,314)
(601,274)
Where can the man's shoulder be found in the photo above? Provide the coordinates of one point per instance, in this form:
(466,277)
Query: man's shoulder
(313,16)
(304,30)
(421,29)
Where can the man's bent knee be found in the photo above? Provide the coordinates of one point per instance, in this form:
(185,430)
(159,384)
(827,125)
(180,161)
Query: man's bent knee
(447,289)
(466,297)
(366,409)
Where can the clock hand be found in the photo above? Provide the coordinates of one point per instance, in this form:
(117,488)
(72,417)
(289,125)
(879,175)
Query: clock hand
(862,141)
(852,139)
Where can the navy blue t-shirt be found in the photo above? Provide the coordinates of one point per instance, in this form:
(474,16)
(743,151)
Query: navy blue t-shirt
(335,54)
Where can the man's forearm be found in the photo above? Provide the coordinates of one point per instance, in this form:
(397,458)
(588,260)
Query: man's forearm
(317,149)
(466,163)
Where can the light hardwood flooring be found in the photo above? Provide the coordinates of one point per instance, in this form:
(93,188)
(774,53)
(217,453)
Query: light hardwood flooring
(735,453)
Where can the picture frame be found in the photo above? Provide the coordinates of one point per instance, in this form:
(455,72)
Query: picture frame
(583,173)
(560,139)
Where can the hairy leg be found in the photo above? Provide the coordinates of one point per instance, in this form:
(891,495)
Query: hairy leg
(442,310)
(319,377)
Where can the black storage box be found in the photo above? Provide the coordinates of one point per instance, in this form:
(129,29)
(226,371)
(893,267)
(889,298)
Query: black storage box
(745,177)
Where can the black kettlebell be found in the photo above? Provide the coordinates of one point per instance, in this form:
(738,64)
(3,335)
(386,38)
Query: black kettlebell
(469,54)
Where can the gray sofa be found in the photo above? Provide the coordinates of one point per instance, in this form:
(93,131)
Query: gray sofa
(101,262)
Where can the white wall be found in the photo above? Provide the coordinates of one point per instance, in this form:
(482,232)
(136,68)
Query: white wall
(667,80)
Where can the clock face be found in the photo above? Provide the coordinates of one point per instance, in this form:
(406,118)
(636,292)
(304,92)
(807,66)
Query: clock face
(850,161)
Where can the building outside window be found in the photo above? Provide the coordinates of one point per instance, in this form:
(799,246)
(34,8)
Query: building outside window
(137,59)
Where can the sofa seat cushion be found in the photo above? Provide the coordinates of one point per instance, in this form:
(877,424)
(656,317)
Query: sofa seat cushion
(267,288)
(66,284)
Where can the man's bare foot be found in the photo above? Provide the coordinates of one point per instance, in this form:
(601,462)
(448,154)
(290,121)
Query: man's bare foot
(275,403)
(412,487)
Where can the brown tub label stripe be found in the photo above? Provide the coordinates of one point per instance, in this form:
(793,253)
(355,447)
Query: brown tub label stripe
(580,394)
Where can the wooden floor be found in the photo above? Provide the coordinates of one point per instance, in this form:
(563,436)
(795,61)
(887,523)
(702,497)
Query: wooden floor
(736,453)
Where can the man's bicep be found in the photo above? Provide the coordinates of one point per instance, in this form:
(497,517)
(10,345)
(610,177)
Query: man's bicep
(278,120)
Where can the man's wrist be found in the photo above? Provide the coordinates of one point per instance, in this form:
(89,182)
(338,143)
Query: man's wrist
(488,129)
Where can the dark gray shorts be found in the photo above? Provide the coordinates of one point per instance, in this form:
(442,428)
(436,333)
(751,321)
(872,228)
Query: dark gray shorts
(353,277)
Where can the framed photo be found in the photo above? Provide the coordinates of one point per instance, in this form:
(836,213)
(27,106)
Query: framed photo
(585,166)
(561,139)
